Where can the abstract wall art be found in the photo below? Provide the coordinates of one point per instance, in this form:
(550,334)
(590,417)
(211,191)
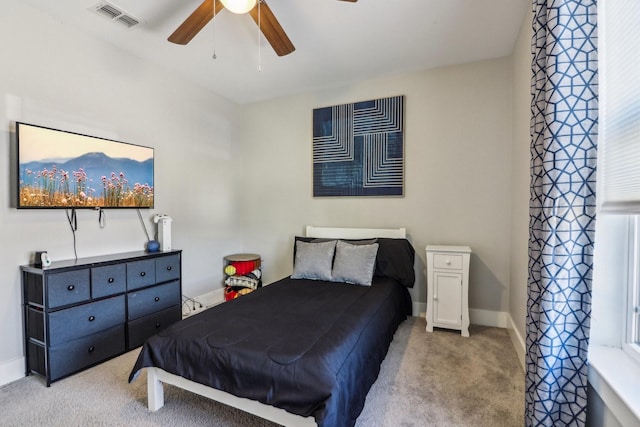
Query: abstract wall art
(358,149)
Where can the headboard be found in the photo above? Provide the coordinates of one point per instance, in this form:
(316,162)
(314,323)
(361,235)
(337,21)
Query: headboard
(355,233)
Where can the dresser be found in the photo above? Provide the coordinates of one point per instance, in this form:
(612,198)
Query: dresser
(448,288)
(79,313)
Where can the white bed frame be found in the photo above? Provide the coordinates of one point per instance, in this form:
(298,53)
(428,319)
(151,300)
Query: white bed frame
(156,377)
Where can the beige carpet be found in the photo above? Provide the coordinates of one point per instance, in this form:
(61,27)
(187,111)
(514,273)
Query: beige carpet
(427,379)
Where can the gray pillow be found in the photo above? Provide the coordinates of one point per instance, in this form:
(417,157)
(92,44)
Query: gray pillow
(313,260)
(354,263)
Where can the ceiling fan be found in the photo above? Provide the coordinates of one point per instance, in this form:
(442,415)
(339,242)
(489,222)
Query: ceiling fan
(267,22)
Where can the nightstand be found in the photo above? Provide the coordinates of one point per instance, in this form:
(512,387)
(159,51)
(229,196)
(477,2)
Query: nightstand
(448,288)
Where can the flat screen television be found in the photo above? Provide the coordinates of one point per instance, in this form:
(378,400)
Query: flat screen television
(66,170)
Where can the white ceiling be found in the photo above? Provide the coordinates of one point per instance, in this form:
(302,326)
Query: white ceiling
(337,42)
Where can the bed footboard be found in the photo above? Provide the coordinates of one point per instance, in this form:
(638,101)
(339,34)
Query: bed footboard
(155,399)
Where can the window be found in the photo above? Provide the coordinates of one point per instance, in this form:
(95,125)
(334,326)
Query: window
(631,343)
(619,141)
(619,107)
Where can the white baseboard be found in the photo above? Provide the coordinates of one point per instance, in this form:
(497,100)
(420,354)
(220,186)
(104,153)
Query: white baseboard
(496,319)
(211,298)
(202,302)
(419,309)
(12,370)
(517,340)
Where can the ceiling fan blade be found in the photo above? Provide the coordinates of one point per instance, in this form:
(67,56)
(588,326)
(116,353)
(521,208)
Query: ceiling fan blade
(271,29)
(352,1)
(195,22)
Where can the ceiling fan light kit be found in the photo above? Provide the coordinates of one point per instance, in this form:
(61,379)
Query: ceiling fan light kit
(239,6)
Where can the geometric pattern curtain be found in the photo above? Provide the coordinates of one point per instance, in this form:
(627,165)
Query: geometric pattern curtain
(564,109)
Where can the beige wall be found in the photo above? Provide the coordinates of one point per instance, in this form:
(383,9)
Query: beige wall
(520,182)
(458,183)
(53,75)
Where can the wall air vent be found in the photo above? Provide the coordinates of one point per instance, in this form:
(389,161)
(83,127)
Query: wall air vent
(116,14)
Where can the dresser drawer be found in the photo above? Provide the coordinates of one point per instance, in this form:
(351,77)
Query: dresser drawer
(141,273)
(153,299)
(78,354)
(141,329)
(68,287)
(108,280)
(167,268)
(85,319)
(447,261)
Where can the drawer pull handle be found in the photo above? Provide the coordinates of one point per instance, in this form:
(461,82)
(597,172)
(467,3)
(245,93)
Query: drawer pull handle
(156,299)
(142,274)
(71,287)
(92,318)
(169,268)
(91,349)
(110,280)
(157,325)
(448,262)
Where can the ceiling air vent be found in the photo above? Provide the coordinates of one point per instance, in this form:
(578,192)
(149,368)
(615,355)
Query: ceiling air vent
(115,14)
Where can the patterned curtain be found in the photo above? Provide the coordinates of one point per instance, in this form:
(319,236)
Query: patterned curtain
(564,110)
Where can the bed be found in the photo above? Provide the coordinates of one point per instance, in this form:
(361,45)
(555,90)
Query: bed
(302,351)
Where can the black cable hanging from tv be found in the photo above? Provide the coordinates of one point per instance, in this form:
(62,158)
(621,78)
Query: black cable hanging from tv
(102,218)
(73,223)
(144,227)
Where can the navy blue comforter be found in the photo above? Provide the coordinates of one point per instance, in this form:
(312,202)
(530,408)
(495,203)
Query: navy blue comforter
(310,347)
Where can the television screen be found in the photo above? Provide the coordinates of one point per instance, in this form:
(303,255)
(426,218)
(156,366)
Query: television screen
(59,169)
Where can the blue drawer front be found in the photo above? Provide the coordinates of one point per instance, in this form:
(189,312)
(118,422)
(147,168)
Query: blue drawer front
(153,299)
(76,355)
(68,287)
(85,319)
(141,329)
(108,280)
(167,268)
(141,273)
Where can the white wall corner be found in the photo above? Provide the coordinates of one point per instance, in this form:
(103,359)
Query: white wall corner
(12,370)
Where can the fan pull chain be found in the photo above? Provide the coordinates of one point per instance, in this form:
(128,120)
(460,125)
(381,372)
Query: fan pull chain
(213,28)
(259,32)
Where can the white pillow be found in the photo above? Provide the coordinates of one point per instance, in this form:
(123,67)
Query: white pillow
(313,260)
(354,263)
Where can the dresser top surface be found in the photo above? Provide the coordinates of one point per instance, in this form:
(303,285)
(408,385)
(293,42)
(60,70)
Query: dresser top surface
(109,258)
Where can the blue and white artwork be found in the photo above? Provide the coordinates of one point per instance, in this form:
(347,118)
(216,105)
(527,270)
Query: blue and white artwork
(358,149)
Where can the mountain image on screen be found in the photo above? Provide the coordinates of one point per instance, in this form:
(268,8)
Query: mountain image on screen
(90,180)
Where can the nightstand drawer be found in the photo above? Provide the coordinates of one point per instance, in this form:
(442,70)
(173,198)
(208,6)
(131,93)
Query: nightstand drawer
(75,355)
(68,288)
(141,273)
(153,299)
(86,319)
(141,329)
(447,261)
(167,268)
(108,280)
